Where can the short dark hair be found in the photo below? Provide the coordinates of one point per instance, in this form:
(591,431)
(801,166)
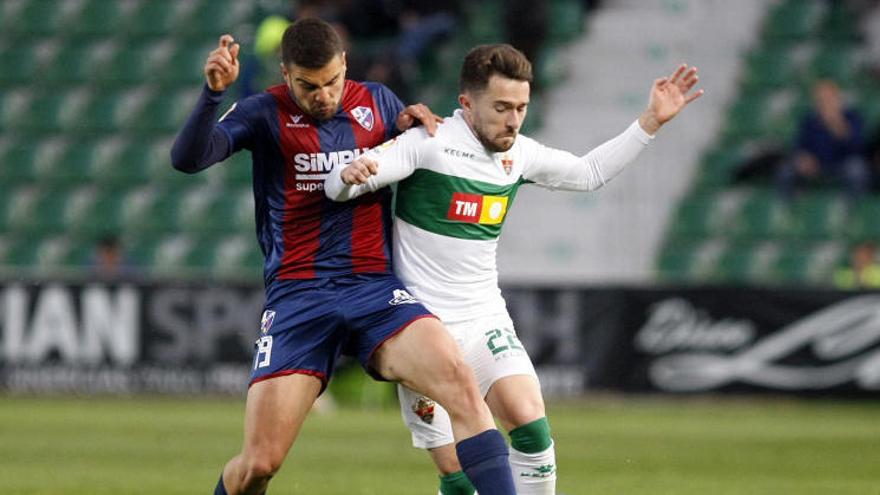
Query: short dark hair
(484,61)
(311,43)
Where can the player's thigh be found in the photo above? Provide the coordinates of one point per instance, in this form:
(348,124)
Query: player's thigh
(427,421)
(516,400)
(421,357)
(503,369)
(274,414)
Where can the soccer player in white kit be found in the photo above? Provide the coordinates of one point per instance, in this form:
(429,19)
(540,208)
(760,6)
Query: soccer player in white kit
(454,191)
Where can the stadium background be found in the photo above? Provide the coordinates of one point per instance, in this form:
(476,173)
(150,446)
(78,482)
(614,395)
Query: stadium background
(689,334)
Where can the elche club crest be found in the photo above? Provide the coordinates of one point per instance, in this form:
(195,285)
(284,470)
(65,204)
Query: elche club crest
(424,409)
(507,163)
(363,116)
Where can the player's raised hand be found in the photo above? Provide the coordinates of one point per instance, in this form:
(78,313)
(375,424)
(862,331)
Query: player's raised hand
(414,115)
(359,171)
(221,68)
(669,95)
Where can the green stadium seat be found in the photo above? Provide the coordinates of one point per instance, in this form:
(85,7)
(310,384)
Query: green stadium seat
(793,20)
(186,64)
(95,18)
(70,164)
(20,63)
(21,251)
(770,67)
(568,20)
(835,61)
(37,18)
(17,161)
(74,63)
(762,216)
(840,23)
(865,220)
(210,17)
(733,266)
(749,117)
(677,260)
(43,213)
(121,162)
(237,169)
(42,114)
(163,111)
(173,254)
(133,64)
(818,215)
(101,216)
(237,256)
(225,211)
(484,23)
(152,18)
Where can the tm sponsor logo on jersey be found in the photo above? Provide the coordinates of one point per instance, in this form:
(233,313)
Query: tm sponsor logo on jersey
(315,167)
(477,208)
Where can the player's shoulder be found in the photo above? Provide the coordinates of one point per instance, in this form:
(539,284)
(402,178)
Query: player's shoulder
(254,105)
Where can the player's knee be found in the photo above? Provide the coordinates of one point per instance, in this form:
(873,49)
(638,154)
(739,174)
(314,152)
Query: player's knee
(525,412)
(261,468)
(457,380)
(532,437)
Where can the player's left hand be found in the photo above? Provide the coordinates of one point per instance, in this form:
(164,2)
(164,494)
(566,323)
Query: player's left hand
(414,115)
(359,171)
(669,95)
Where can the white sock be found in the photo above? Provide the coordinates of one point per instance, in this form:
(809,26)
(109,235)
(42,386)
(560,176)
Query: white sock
(534,474)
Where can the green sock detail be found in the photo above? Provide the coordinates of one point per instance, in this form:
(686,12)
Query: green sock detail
(456,484)
(532,438)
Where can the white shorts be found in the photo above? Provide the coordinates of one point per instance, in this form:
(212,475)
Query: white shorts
(491,347)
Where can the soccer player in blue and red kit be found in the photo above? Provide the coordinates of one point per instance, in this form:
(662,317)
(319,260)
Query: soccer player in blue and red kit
(328,272)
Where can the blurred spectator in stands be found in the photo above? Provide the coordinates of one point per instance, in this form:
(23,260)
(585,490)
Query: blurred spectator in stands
(526,24)
(863,271)
(259,69)
(109,260)
(829,145)
(872,156)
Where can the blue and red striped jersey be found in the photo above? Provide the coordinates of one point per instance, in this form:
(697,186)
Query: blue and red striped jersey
(304,235)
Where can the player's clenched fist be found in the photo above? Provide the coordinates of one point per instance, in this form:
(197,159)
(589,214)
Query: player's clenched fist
(359,171)
(221,69)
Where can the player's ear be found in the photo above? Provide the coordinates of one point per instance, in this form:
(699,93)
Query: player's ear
(464,101)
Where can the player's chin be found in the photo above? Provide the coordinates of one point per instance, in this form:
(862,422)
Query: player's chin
(504,143)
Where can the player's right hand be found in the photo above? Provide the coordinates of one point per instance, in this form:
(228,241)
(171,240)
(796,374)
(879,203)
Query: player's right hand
(221,68)
(359,171)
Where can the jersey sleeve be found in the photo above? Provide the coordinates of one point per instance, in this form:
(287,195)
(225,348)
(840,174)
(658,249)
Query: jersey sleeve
(397,160)
(203,142)
(389,106)
(557,169)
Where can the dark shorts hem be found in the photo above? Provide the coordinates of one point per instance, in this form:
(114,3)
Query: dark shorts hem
(368,366)
(318,374)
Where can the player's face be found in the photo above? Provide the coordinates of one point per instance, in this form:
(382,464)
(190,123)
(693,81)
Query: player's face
(317,91)
(497,112)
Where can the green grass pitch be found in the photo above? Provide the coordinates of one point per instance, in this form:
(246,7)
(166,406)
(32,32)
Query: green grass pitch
(604,446)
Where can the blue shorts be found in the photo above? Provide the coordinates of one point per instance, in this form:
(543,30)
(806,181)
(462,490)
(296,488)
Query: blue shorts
(308,324)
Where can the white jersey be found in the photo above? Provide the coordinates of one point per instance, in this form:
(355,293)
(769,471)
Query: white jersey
(453,196)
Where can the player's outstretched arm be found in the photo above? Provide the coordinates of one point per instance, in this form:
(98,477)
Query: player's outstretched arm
(200,144)
(668,97)
(384,165)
